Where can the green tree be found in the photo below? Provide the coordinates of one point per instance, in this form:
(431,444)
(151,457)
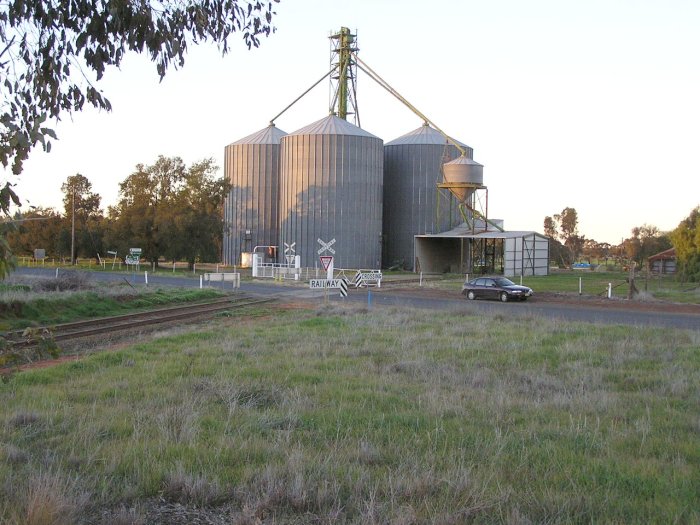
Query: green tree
(145,215)
(551,228)
(563,228)
(79,198)
(568,223)
(594,250)
(686,240)
(169,210)
(38,228)
(53,53)
(646,240)
(44,43)
(199,222)
(8,262)
(78,195)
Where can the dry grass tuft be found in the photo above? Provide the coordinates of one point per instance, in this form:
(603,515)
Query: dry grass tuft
(235,396)
(179,422)
(14,455)
(24,419)
(301,486)
(187,489)
(368,454)
(52,499)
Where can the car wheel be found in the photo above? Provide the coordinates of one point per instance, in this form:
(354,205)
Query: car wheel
(504,297)
(471,295)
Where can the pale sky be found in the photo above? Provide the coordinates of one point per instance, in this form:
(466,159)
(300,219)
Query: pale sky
(593,105)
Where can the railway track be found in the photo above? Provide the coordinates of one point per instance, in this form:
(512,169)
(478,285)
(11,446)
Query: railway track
(104,325)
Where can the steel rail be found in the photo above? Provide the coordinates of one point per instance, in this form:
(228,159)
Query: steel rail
(14,334)
(79,329)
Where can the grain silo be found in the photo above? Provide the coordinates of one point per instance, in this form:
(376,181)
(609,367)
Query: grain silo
(331,188)
(412,169)
(251,165)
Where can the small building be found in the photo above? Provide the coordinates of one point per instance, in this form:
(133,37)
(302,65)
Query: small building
(663,262)
(460,250)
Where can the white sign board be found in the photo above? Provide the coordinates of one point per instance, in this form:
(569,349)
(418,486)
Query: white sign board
(320,284)
(368,278)
(135,251)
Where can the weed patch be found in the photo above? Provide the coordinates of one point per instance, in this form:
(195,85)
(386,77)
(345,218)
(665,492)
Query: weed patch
(392,420)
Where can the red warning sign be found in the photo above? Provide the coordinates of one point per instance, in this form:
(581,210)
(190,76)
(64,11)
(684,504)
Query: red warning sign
(326,261)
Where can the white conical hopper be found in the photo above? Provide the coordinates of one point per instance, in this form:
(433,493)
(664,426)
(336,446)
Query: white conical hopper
(465,174)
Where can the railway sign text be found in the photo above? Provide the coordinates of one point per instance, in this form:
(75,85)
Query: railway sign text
(320,284)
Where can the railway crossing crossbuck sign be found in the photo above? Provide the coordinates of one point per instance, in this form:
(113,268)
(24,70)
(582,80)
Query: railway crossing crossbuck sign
(326,246)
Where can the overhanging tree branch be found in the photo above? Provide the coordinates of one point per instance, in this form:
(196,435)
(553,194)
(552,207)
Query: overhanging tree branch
(44,40)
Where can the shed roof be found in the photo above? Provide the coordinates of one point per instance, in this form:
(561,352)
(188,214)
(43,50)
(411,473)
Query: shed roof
(664,255)
(465,231)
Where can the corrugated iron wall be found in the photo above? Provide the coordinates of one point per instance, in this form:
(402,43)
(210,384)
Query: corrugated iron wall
(331,188)
(253,201)
(411,173)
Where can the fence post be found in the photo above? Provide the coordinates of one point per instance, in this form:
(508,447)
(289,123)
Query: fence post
(580,286)
(200,282)
(145,274)
(609,290)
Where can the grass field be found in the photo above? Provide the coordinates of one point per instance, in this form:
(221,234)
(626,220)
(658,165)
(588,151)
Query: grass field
(596,283)
(356,416)
(21,306)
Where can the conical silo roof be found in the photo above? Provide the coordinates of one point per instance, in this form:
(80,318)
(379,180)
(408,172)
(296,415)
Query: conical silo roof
(332,125)
(422,135)
(462,160)
(268,135)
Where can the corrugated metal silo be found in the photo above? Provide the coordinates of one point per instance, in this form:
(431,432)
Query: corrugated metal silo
(251,209)
(463,170)
(412,169)
(331,188)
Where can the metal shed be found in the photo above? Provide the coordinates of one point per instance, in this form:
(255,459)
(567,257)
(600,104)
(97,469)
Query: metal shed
(461,251)
(663,262)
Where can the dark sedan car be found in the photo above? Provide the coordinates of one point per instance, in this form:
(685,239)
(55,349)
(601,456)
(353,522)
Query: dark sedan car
(495,288)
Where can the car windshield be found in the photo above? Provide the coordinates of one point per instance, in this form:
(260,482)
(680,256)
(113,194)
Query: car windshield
(502,281)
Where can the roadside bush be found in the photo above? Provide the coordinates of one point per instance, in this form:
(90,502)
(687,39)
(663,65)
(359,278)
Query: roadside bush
(690,269)
(69,281)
